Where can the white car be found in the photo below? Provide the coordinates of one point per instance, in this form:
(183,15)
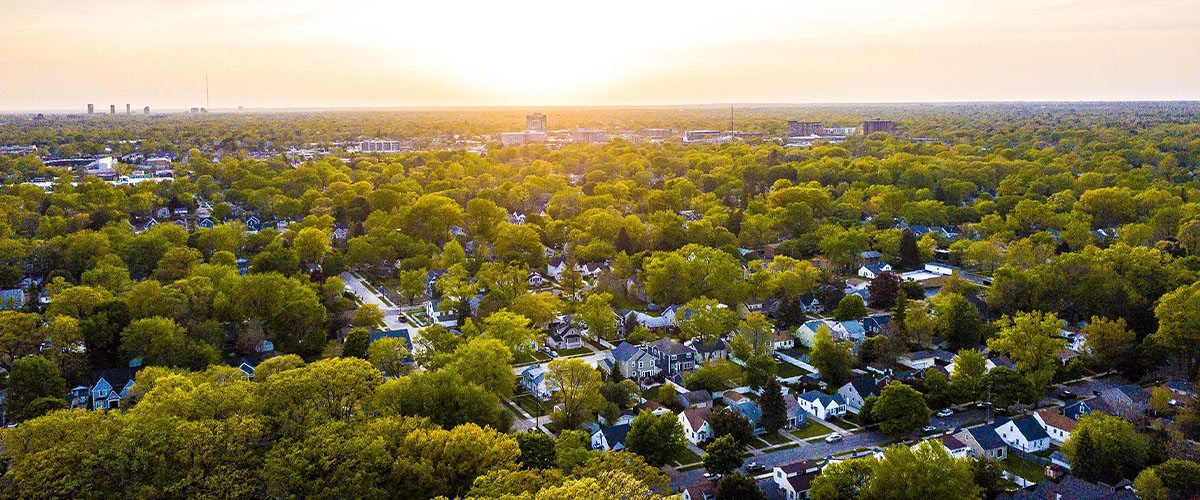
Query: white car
(833,438)
(945,412)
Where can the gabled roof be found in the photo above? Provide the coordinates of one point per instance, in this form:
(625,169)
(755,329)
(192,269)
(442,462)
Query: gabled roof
(986,437)
(625,351)
(952,443)
(1135,392)
(696,417)
(822,399)
(615,434)
(864,387)
(700,396)
(116,377)
(1029,428)
(670,347)
(1053,418)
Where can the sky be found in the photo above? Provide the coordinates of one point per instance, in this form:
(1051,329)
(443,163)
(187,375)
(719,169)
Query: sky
(64,54)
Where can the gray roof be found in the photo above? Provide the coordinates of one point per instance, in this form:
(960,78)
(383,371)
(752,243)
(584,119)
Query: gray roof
(1030,428)
(986,437)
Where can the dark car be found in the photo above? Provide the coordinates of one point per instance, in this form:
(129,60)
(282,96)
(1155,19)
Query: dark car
(753,467)
(1067,395)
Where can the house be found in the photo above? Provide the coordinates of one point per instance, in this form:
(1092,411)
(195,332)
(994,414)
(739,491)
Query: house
(246,365)
(695,424)
(1181,387)
(672,357)
(808,331)
(1083,407)
(1024,433)
(858,390)
(555,268)
(750,411)
(180,212)
(536,279)
(696,399)
(984,442)
(567,337)
(1056,425)
(633,363)
(448,318)
(850,331)
(875,324)
(782,341)
(205,223)
(956,448)
(919,360)
(253,224)
(610,438)
(731,397)
(533,379)
(110,386)
(871,271)
(590,269)
(796,417)
(810,302)
(652,323)
(940,268)
(871,257)
(162,213)
(704,490)
(795,479)
(1128,401)
(1073,488)
(821,405)
(12,298)
(709,351)
(516,218)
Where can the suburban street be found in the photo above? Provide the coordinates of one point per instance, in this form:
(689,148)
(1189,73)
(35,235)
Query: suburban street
(391,314)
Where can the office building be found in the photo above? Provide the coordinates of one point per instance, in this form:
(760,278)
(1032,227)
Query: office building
(91,109)
(383,146)
(535,122)
(522,138)
(128,109)
(112,109)
(797,128)
(589,136)
(146,110)
(871,126)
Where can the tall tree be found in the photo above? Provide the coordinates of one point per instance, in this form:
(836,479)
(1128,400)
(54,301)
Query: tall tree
(1031,340)
(884,289)
(832,360)
(900,410)
(723,456)
(969,367)
(1105,448)
(659,439)
(774,408)
(730,422)
(739,487)
(31,379)
(909,254)
(576,386)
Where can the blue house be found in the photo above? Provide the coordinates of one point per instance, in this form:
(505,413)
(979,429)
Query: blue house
(110,386)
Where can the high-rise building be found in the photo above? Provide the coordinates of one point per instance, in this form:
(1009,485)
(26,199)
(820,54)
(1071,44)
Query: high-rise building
(797,128)
(128,109)
(535,122)
(112,109)
(91,109)
(146,110)
(871,126)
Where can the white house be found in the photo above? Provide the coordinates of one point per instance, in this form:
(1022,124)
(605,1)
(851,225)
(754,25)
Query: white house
(794,479)
(856,391)
(610,438)
(1025,434)
(555,268)
(782,340)
(919,360)
(1056,425)
(695,424)
(821,405)
(533,379)
(940,268)
(870,271)
(955,447)
(808,331)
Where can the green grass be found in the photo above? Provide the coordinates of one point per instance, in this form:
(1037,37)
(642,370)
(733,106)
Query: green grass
(530,404)
(1028,470)
(526,357)
(573,352)
(775,438)
(811,429)
(594,344)
(688,457)
(759,444)
(788,370)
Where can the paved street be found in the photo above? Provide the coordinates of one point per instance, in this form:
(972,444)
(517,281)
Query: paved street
(391,314)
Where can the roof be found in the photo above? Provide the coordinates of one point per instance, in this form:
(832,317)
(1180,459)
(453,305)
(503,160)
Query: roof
(615,434)
(701,490)
(871,254)
(670,347)
(952,443)
(733,396)
(699,396)
(1073,488)
(696,417)
(822,398)
(1053,418)
(1030,428)
(625,351)
(1004,361)
(986,437)
(1180,385)
(1135,392)
(864,387)
(797,467)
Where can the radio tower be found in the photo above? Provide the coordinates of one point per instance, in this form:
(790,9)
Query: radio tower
(207,103)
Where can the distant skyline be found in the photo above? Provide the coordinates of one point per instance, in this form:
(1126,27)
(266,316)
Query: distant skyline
(65,54)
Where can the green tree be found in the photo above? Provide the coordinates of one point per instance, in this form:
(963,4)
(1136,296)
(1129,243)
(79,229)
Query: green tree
(832,360)
(311,245)
(597,314)
(969,367)
(484,361)
(1178,313)
(989,476)
(388,354)
(443,397)
(723,456)
(849,308)
(1179,477)
(923,472)
(1007,387)
(843,480)
(356,343)
(1105,448)
(411,284)
(706,319)
(730,422)
(537,449)
(909,254)
(957,321)
(658,439)
(739,487)
(1031,340)
(1109,343)
(31,379)
(576,386)
(774,409)
(900,410)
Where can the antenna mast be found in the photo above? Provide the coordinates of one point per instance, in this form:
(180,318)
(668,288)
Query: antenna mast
(731,129)
(207,103)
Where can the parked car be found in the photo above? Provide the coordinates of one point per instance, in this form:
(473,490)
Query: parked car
(754,467)
(945,412)
(983,404)
(403,318)
(928,429)
(833,438)
(712,476)
(1065,394)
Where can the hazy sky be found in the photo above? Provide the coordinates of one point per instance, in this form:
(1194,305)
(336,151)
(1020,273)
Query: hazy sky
(63,54)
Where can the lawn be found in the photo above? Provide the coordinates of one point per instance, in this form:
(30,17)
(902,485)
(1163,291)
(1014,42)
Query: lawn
(759,444)
(1028,470)
(526,357)
(594,344)
(811,429)
(530,404)
(690,467)
(688,457)
(574,352)
(788,370)
(775,438)
(848,421)
(784,447)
